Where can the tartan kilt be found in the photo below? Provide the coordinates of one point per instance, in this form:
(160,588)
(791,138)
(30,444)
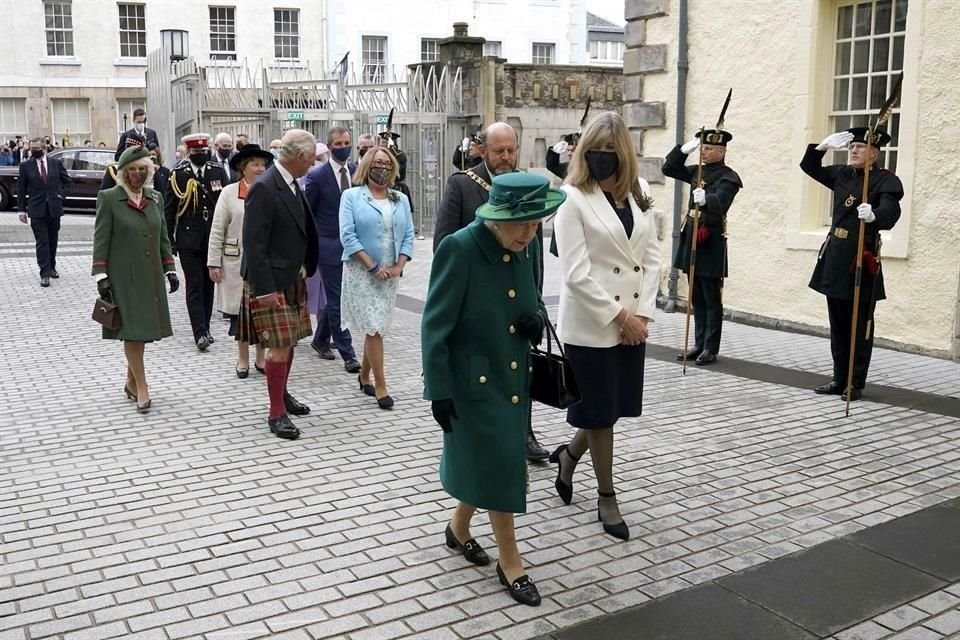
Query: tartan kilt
(275,327)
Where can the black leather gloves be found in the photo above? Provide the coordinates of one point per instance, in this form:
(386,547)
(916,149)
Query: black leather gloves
(105,289)
(174,282)
(530,326)
(444,412)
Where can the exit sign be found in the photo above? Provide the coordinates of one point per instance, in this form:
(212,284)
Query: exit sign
(382,119)
(294,115)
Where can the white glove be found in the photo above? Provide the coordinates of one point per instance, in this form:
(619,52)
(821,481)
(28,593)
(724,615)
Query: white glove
(690,146)
(700,196)
(561,148)
(865,213)
(838,140)
(465,145)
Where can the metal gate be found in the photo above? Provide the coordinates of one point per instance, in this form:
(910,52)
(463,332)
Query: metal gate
(263,102)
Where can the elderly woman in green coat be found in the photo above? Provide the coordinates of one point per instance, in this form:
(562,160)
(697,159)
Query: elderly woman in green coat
(131,260)
(482,313)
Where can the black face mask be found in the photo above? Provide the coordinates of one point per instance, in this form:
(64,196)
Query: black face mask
(602,164)
(362,151)
(224,153)
(200,159)
(36,153)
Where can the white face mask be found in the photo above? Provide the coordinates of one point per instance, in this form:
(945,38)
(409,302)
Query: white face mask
(139,126)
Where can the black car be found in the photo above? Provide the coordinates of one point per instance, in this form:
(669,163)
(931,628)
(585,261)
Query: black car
(85,165)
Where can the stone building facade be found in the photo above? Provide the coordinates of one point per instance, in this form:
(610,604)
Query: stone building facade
(829,66)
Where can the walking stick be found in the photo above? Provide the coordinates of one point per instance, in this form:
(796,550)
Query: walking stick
(693,256)
(885,111)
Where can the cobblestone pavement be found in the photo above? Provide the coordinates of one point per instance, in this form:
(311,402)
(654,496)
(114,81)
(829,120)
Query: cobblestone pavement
(195,522)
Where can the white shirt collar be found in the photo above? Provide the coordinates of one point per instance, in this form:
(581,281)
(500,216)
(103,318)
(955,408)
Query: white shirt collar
(286,175)
(336,165)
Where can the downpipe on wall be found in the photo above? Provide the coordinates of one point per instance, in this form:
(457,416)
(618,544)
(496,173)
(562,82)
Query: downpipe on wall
(682,66)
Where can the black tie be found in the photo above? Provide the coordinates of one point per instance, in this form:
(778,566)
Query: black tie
(344,181)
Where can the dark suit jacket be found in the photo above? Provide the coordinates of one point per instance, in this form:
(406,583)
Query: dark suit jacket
(279,235)
(191,230)
(461,199)
(44,199)
(148,133)
(322,188)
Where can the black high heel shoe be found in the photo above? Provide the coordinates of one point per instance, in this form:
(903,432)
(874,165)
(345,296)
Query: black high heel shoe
(522,589)
(471,550)
(366,388)
(619,530)
(145,407)
(131,395)
(564,490)
(259,368)
(386,402)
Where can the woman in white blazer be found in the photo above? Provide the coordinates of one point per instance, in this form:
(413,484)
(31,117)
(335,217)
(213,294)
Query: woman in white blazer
(226,244)
(610,263)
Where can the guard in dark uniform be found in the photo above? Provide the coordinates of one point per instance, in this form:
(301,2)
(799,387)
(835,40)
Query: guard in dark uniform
(714,195)
(468,154)
(834,274)
(195,184)
(388,140)
(558,156)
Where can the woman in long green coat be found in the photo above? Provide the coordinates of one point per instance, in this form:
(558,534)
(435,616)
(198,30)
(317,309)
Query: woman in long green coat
(131,260)
(482,312)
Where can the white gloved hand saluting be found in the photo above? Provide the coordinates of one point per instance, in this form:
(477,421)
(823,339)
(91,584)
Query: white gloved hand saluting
(690,146)
(465,145)
(838,140)
(561,147)
(865,213)
(700,196)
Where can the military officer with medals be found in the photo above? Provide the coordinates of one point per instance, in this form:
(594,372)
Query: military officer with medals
(195,183)
(719,185)
(834,274)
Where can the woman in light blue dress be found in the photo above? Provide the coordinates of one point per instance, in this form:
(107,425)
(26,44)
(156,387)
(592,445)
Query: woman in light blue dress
(376,229)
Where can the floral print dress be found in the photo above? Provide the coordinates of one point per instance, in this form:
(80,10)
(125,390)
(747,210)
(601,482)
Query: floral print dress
(367,304)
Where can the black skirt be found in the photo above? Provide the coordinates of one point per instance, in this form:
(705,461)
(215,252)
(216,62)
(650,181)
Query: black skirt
(611,384)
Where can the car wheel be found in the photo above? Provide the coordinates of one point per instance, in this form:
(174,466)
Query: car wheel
(5,200)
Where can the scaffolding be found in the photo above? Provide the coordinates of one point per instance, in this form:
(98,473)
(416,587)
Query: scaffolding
(264,101)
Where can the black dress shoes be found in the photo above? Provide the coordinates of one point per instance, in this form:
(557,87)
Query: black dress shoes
(44,281)
(352,366)
(386,402)
(855,394)
(283,428)
(259,368)
(323,351)
(203,343)
(294,406)
(564,490)
(145,407)
(470,549)
(522,589)
(54,274)
(691,355)
(131,395)
(705,357)
(535,453)
(367,389)
(832,388)
(210,338)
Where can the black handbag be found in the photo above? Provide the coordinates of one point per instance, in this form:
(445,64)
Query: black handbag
(107,314)
(553,381)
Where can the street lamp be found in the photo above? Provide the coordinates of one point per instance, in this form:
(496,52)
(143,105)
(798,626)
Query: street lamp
(176,42)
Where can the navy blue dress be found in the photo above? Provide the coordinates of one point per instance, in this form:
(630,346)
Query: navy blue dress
(610,378)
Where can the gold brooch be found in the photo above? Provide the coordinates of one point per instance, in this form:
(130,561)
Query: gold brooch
(849,201)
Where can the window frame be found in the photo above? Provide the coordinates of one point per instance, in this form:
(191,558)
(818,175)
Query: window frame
(58,131)
(224,36)
(121,33)
(19,117)
(499,48)
(67,31)
(380,75)
(427,56)
(292,36)
(551,48)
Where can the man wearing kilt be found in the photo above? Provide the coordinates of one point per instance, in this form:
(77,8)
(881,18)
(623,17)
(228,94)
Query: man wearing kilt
(279,251)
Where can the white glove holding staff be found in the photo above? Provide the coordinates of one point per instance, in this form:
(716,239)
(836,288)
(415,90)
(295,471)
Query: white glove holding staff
(465,145)
(700,196)
(690,146)
(838,140)
(865,213)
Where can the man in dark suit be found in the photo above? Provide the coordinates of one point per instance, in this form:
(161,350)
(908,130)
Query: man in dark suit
(42,186)
(279,250)
(195,185)
(139,132)
(323,187)
(222,152)
(466,191)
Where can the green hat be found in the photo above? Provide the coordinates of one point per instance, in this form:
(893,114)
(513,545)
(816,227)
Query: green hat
(132,154)
(521,197)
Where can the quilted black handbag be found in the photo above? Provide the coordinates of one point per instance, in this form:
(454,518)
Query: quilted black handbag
(553,381)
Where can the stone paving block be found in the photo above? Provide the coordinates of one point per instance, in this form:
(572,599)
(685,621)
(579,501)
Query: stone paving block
(947,623)
(335,626)
(59,626)
(112,630)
